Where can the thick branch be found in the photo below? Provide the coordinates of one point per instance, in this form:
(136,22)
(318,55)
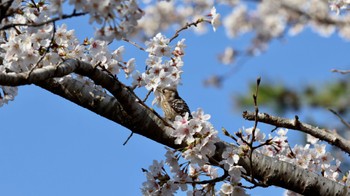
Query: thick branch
(323,134)
(271,171)
(90,98)
(291,177)
(142,120)
(37,75)
(141,115)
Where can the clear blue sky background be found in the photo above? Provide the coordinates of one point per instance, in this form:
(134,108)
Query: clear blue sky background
(50,146)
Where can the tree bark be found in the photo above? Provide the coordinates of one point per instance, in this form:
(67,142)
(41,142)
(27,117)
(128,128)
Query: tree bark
(271,171)
(126,109)
(322,134)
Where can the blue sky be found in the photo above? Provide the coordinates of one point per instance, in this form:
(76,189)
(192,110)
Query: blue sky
(50,146)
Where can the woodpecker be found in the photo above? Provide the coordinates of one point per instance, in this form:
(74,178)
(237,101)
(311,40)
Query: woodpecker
(172,104)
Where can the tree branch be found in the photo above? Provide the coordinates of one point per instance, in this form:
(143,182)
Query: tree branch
(127,109)
(64,16)
(188,25)
(141,115)
(340,118)
(292,177)
(323,134)
(90,98)
(340,71)
(326,20)
(211,181)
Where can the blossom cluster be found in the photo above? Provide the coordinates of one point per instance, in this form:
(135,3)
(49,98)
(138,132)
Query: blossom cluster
(160,182)
(163,65)
(230,161)
(272,19)
(124,13)
(200,137)
(267,20)
(339,5)
(28,48)
(158,19)
(25,48)
(8,94)
(117,19)
(312,156)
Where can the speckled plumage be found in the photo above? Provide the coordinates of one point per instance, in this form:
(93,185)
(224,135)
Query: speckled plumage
(172,104)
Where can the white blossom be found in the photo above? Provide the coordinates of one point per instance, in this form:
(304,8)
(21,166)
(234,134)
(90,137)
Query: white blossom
(215,21)
(226,188)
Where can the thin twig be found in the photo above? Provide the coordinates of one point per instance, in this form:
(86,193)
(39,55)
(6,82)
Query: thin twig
(255,183)
(46,51)
(126,141)
(323,134)
(340,118)
(64,16)
(188,25)
(37,8)
(149,92)
(239,134)
(255,97)
(292,154)
(274,129)
(212,181)
(340,71)
(228,134)
(267,142)
(133,43)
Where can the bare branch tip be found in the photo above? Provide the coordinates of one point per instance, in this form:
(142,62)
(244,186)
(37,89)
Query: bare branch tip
(126,141)
(258,81)
(296,117)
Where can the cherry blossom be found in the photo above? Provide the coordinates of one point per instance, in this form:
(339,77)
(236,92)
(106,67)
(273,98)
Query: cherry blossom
(200,136)
(38,42)
(215,21)
(237,22)
(226,189)
(162,71)
(228,56)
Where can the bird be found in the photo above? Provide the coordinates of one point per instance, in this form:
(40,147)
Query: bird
(172,104)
